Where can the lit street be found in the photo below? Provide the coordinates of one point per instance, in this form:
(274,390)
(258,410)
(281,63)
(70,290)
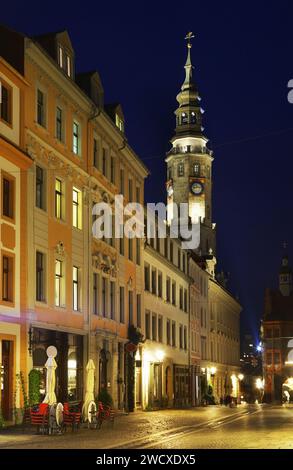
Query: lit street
(246,427)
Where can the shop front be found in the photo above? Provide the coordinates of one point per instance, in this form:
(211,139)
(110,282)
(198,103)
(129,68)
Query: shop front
(69,359)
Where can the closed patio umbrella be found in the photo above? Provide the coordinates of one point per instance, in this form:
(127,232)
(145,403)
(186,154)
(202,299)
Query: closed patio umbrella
(51,366)
(90,384)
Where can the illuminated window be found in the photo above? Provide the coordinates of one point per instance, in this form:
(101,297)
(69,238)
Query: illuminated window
(58,199)
(76,138)
(5,103)
(41,110)
(7,278)
(75,288)
(77,208)
(193,117)
(60,56)
(196,169)
(59,283)
(184,118)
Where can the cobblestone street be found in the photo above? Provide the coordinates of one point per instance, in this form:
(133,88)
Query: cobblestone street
(247,427)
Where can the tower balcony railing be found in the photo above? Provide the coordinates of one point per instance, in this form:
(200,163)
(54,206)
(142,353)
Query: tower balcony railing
(189,149)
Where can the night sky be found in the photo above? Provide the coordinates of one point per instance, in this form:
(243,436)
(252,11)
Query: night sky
(243,58)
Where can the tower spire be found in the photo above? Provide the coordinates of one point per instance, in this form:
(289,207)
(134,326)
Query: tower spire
(188,65)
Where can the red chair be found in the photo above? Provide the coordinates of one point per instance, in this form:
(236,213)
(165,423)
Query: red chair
(104,413)
(39,415)
(72,415)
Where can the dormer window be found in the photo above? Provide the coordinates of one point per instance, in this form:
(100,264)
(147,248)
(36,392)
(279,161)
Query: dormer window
(119,122)
(65,60)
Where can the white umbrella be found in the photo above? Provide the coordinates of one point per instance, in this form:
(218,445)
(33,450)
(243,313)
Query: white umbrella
(51,366)
(90,384)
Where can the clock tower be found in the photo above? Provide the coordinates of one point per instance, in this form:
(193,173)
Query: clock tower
(189,165)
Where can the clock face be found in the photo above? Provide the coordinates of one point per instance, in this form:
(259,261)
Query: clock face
(170,190)
(196,188)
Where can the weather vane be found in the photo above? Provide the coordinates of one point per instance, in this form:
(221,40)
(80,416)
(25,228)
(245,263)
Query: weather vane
(188,37)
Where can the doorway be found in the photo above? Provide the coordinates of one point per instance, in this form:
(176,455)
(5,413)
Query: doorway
(6,378)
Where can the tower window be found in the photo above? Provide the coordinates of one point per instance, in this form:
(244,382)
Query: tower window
(193,117)
(181,169)
(196,168)
(184,118)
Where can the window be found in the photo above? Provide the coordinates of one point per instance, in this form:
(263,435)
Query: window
(168,332)
(147,325)
(40,277)
(95,293)
(173,334)
(122,304)
(171,252)
(130,190)
(154,327)
(122,181)
(7,278)
(112,300)
(104,162)
(180,336)
(75,288)
(130,307)
(7,197)
(184,118)
(5,103)
(180,169)
(130,249)
(179,258)
(96,154)
(173,293)
(112,175)
(76,138)
(193,117)
(154,281)
(104,296)
(196,169)
(160,285)
(168,289)
(59,281)
(58,199)
(59,124)
(160,329)
(137,194)
(121,245)
(138,310)
(183,263)
(181,298)
(40,188)
(185,338)
(137,241)
(146,277)
(41,111)
(76,208)
(65,61)
(185,301)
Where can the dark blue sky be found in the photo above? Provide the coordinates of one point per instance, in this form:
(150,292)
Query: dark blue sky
(243,57)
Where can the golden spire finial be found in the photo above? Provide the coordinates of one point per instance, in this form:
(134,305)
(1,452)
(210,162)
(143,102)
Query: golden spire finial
(188,37)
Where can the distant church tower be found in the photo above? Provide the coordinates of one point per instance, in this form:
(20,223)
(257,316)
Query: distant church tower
(189,165)
(285,276)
